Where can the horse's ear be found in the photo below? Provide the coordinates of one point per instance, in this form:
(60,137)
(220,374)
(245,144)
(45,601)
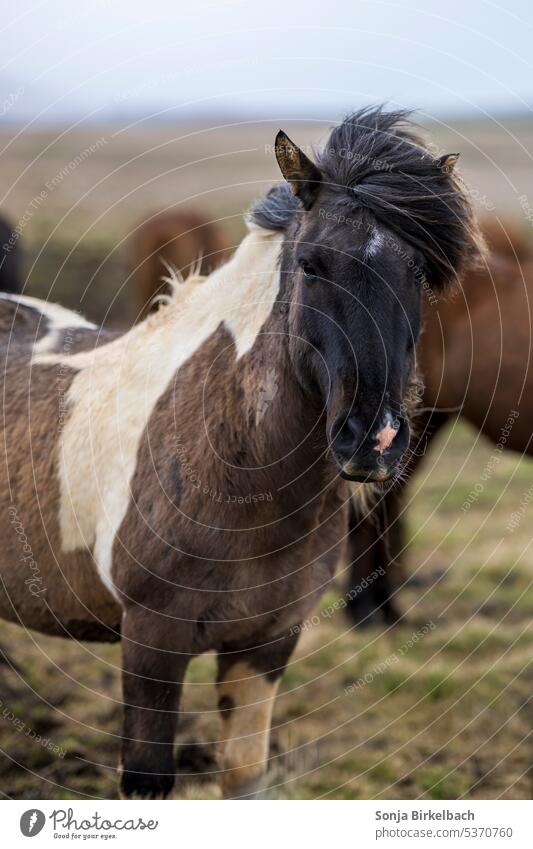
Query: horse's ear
(302,175)
(447,162)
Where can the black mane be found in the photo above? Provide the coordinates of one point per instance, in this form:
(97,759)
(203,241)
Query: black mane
(276,209)
(376,161)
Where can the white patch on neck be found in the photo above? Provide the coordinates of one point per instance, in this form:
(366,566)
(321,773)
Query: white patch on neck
(375,244)
(58,318)
(113,395)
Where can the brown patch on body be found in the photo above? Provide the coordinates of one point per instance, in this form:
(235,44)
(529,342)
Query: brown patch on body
(42,588)
(20,325)
(192,464)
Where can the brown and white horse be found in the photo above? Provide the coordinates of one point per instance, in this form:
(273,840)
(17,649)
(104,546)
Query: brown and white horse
(182,486)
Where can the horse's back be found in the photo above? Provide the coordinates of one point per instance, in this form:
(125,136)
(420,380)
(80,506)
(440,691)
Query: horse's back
(20,325)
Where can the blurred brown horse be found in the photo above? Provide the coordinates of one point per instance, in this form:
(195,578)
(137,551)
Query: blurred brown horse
(475,360)
(10,258)
(186,241)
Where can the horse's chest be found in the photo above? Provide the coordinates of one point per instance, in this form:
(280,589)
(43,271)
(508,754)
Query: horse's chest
(236,587)
(278,592)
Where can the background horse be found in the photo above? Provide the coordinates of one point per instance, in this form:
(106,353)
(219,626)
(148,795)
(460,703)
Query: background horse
(182,486)
(186,241)
(10,258)
(474,357)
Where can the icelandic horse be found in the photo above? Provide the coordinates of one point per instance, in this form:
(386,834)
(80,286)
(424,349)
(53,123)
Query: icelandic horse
(184,486)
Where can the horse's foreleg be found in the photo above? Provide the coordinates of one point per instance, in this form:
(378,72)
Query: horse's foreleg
(247,685)
(153,671)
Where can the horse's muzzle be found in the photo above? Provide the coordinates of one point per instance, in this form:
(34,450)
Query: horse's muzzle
(369,455)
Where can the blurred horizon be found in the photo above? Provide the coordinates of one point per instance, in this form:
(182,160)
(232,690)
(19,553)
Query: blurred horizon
(112,111)
(119,61)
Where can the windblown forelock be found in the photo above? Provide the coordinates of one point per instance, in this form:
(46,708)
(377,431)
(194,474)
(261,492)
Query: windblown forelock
(378,160)
(383,162)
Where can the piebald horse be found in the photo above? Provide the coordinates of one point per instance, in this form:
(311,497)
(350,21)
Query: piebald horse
(184,486)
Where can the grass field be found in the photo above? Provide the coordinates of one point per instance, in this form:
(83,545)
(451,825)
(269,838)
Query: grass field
(442,709)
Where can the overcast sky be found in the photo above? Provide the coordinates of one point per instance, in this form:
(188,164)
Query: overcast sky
(278,57)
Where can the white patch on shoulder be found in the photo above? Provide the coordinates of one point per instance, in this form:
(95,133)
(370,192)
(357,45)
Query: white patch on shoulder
(113,395)
(59,319)
(375,244)
(252,227)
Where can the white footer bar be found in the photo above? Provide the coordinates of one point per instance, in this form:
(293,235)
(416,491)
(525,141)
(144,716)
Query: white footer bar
(268,824)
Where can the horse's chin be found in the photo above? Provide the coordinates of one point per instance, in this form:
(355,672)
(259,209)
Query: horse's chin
(359,478)
(384,478)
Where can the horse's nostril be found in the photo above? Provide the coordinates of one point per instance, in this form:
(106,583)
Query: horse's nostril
(353,426)
(346,433)
(364,451)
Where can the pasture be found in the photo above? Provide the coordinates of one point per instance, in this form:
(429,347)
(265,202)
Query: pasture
(446,717)
(437,707)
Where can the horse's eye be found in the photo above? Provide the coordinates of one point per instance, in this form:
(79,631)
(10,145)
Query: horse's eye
(307,268)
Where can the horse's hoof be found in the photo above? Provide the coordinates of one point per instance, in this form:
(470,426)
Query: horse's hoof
(371,616)
(362,617)
(145,785)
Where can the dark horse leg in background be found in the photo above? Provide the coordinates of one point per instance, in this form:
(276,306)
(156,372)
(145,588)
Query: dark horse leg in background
(376,545)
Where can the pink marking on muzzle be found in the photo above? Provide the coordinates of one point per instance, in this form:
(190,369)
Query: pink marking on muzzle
(384,438)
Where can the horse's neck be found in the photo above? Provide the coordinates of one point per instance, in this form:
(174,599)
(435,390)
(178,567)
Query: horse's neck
(236,317)
(276,432)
